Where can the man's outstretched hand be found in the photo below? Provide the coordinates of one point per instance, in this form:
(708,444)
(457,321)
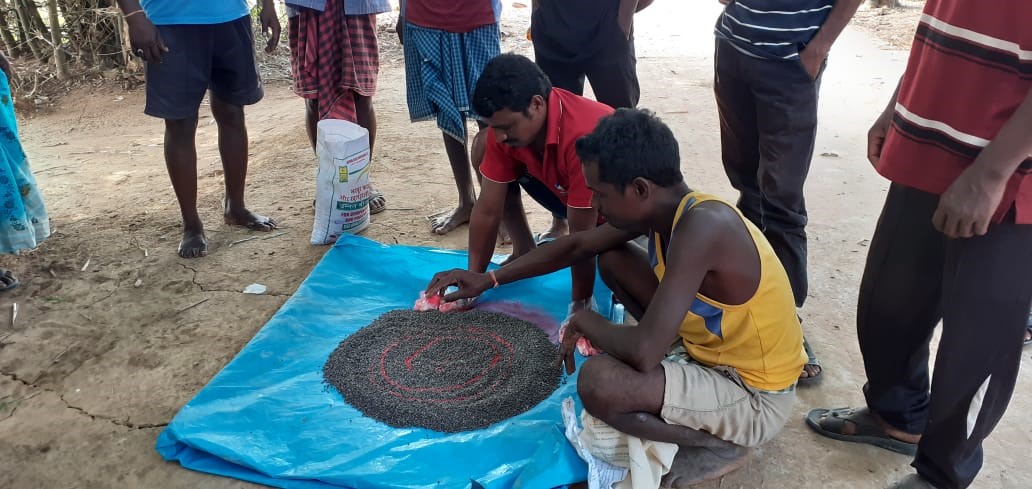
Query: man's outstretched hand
(568,345)
(470,284)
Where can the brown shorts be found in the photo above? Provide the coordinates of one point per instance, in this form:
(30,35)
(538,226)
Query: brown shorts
(717,401)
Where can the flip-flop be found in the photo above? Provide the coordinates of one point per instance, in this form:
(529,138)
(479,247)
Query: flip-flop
(831,422)
(377,196)
(811,359)
(540,239)
(7,280)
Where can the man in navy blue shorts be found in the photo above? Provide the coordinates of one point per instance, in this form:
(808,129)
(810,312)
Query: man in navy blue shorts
(191,47)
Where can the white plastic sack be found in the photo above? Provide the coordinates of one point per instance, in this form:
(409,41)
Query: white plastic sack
(342,183)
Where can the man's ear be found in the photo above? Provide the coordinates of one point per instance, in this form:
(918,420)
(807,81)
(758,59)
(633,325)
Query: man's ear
(642,188)
(538,103)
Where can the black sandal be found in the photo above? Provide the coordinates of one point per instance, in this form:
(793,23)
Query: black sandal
(377,202)
(831,423)
(7,280)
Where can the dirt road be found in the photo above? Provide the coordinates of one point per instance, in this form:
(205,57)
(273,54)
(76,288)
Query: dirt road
(115,332)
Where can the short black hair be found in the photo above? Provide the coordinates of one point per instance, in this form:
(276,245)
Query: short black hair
(509,81)
(632,143)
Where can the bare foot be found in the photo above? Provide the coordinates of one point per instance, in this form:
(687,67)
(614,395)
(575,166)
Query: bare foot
(558,229)
(693,465)
(194,244)
(248,219)
(810,370)
(446,222)
(513,256)
(504,239)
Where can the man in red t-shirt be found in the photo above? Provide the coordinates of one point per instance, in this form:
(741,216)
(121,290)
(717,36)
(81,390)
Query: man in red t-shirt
(954,243)
(531,136)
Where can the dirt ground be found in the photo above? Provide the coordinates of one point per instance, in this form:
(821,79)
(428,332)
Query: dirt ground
(115,333)
(894,26)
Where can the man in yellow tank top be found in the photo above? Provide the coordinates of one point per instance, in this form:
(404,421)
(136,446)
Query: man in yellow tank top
(710,284)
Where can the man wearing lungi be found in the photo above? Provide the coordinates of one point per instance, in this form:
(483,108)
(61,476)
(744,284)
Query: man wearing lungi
(447,44)
(335,59)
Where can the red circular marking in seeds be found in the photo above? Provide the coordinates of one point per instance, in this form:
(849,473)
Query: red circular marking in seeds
(494,372)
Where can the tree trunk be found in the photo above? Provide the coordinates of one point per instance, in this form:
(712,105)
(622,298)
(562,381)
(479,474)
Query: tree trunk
(63,5)
(10,43)
(35,18)
(55,38)
(28,35)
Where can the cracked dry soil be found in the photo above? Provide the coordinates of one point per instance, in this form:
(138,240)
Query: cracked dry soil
(115,333)
(101,356)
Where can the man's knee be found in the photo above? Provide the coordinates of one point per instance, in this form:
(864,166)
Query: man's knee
(595,387)
(227,115)
(609,266)
(478,148)
(363,103)
(179,128)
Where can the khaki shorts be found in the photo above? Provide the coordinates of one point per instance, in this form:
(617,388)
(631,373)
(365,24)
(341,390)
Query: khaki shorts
(717,401)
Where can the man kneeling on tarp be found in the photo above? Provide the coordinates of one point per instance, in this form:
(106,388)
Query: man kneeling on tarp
(709,279)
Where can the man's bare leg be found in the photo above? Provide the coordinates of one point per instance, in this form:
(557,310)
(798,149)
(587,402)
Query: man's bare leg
(181,161)
(312,120)
(367,119)
(477,150)
(460,165)
(233,150)
(630,401)
(559,228)
(514,220)
(628,274)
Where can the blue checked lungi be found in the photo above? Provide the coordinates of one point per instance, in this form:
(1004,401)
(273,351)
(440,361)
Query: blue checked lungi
(441,69)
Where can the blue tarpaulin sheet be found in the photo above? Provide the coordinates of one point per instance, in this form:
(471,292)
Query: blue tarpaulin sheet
(267,417)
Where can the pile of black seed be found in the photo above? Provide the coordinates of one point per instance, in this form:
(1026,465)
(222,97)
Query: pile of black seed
(449,372)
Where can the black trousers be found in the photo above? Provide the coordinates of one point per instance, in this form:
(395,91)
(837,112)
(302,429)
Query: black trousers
(981,289)
(578,39)
(768,123)
(613,76)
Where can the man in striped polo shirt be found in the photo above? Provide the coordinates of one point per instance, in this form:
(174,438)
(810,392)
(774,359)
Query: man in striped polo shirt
(769,58)
(954,243)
